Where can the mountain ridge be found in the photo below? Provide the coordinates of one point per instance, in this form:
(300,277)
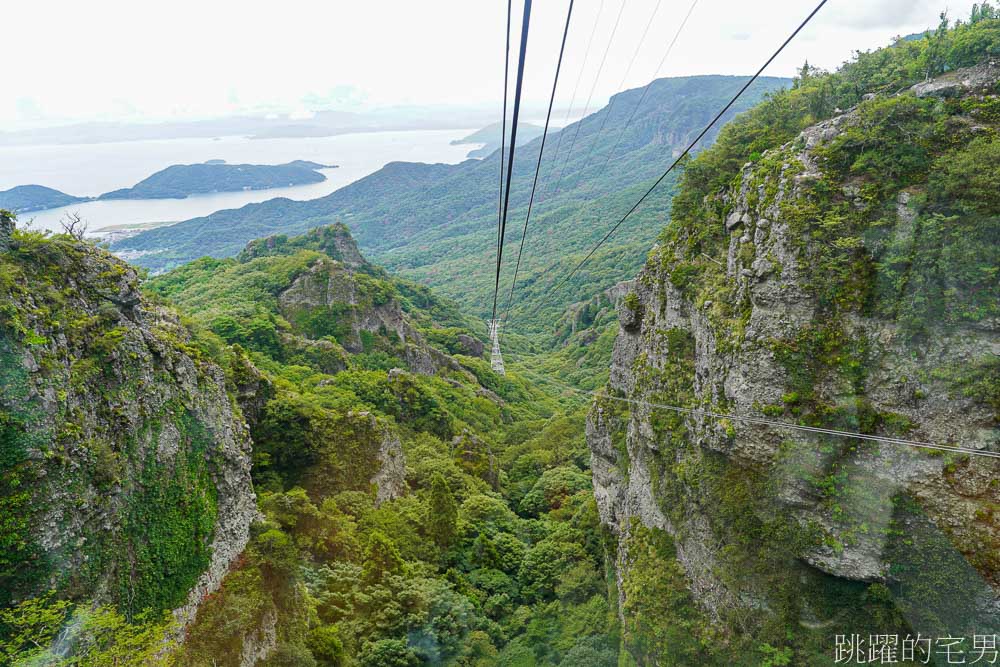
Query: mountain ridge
(489,136)
(440,216)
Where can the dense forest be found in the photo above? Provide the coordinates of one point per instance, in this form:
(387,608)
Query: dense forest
(468,565)
(285,454)
(458,554)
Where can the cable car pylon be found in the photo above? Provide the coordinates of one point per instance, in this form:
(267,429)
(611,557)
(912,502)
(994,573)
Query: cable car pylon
(496,359)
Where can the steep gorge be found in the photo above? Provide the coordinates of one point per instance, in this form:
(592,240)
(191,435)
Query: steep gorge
(308,461)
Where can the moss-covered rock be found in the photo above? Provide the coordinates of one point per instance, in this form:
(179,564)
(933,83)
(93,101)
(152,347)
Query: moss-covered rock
(124,464)
(844,279)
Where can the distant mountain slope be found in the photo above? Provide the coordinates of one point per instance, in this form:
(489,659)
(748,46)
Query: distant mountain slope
(182,180)
(437,223)
(490,137)
(25,198)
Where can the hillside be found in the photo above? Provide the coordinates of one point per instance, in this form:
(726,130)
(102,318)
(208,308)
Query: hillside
(27,198)
(454,555)
(489,136)
(437,223)
(414,507)
(842,277)
(776,443)
(183,180)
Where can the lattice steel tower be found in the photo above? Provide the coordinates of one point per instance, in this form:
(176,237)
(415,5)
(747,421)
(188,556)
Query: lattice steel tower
(496,359)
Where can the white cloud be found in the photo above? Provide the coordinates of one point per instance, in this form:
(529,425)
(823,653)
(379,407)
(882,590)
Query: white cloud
(121,59)
(875,14)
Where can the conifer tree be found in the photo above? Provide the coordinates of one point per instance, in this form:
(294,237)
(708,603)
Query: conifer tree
(443,513)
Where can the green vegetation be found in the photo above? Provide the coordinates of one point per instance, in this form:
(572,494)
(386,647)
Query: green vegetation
(183,180)
(486,549)
(663,623)
(168,526)
(22,562)
(440,214)
(92,636)
(24,198)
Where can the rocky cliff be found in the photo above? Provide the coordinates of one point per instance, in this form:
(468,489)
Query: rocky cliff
(836,282)
(125,463)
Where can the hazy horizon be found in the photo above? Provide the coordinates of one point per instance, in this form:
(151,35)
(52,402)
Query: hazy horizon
(109,62)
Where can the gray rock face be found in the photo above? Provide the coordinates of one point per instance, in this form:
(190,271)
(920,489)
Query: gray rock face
(580,316)
(960,82)
(6,229)
(335,287)
(630,314)
(348,250)
(260,643)
(390,480)
(476,457)
(252,389)
(764,266)
(108,409)
(472,347)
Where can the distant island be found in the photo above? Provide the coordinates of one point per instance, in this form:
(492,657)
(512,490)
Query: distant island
(177,182)
(183,180)
(25,198)
(490,136)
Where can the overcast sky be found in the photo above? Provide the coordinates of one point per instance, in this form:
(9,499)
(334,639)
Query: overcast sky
(71,60)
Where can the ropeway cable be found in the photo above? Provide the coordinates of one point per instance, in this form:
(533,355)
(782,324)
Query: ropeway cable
(513,144)
(614,98)
(642,97)
(538,166)
(687,150)
(590,97)
(786,425)
(576,88)
(503,130)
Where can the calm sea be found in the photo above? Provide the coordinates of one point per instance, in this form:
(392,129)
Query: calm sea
(91,169)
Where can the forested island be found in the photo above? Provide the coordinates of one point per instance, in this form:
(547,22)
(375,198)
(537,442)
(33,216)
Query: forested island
(183,180)
(178,181)
(27,198)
